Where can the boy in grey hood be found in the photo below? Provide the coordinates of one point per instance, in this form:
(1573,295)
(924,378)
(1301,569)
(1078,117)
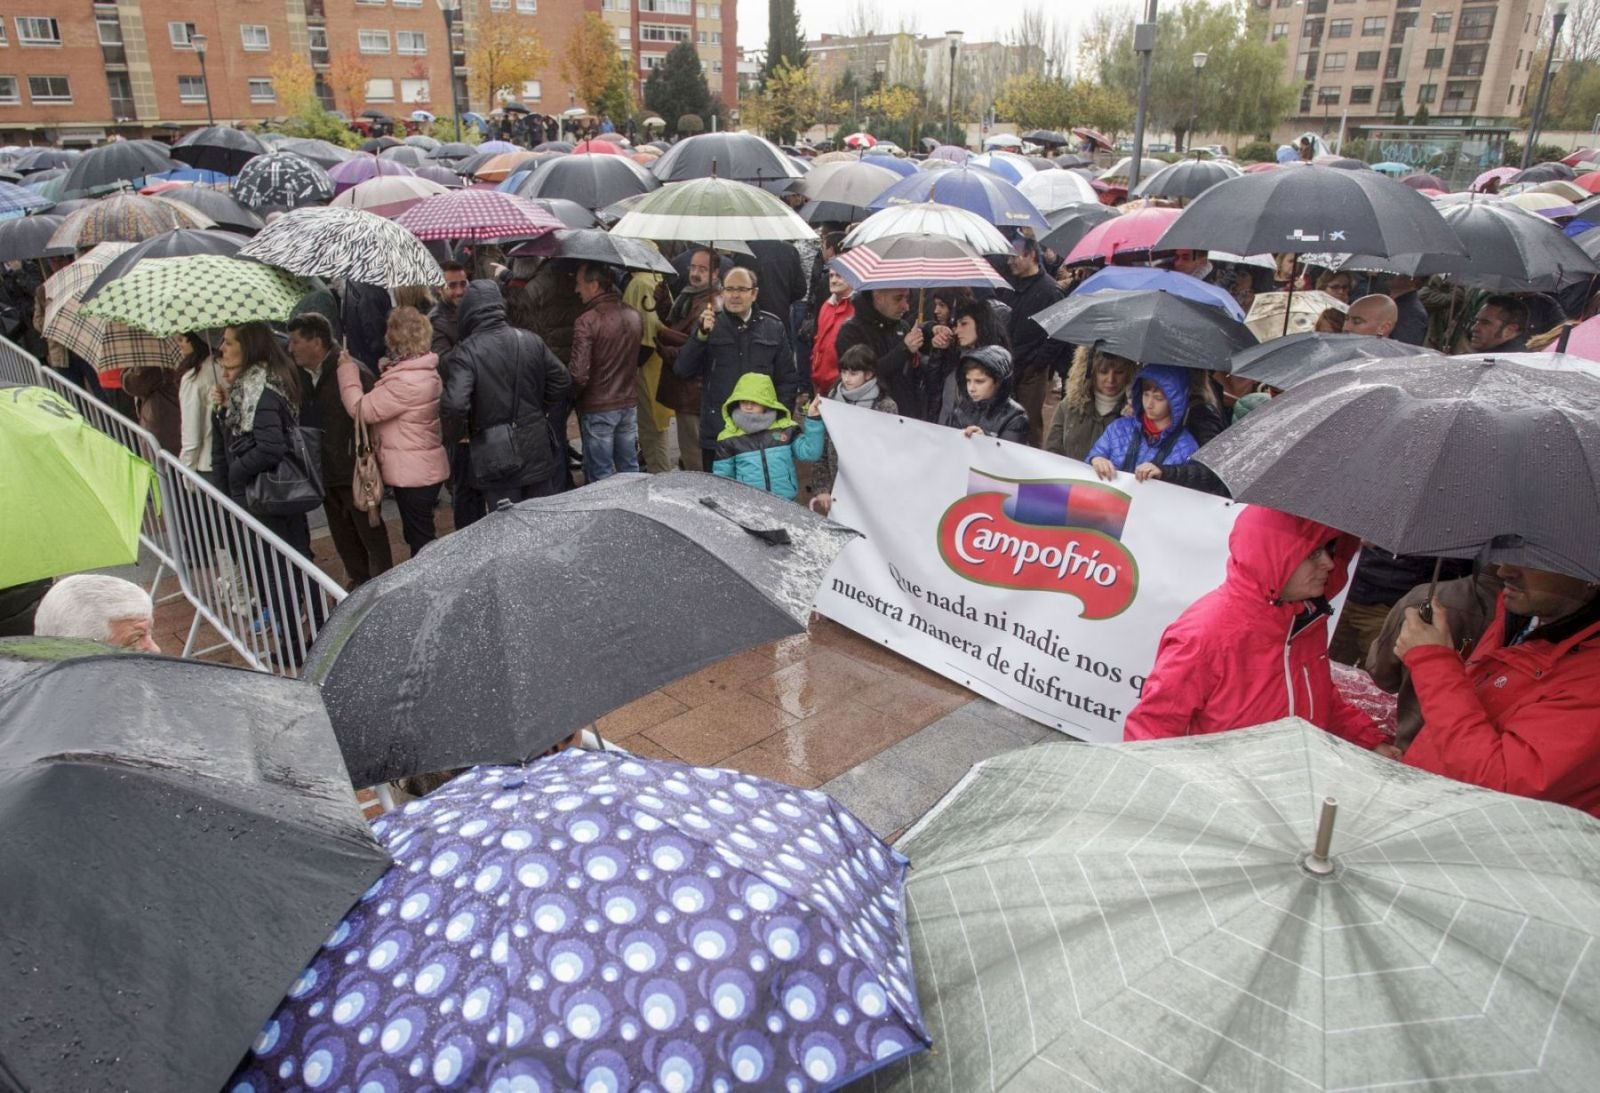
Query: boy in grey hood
(984,404)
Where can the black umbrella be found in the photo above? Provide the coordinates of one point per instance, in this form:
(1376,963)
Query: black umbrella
(220,148)
(323,153)
(515,108)
(374,115)
(743,157)
(1186,179)
(453,150)
(1047,136)
(503,639)
(1071,223)
(444,176)
(1068,160)
(180,838)
(842,192)
(1347,164)
(1149,326)
(173,244)
(591,181)
(404,154)
(115,166)
(28,237)
(1295,358)
(593,245)
(221,207)
(35,160)
(379,144)
(1543,172)
(1435,455)
(554,146)
(282,180)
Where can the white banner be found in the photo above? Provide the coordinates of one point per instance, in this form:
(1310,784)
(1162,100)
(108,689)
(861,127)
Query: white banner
(1012,571)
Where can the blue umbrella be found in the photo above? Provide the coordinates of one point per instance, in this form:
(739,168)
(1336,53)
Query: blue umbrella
(595,921)
(901,167)
(1141,278)
(190,174)
(20,201)
(499,146)
(1391,168)
(971,188)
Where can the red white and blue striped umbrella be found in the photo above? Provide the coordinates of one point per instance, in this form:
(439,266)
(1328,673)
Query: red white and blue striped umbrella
(478,216)
(915,261)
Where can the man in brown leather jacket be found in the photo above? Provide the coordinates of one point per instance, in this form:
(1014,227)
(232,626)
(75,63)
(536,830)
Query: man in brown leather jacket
(605,365)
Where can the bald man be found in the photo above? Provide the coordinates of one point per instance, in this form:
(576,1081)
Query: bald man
(1374,315)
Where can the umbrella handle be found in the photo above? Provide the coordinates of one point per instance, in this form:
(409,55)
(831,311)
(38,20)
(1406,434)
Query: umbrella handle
(1317,862)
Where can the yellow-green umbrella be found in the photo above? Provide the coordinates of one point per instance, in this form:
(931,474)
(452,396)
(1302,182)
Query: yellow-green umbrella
(167,296)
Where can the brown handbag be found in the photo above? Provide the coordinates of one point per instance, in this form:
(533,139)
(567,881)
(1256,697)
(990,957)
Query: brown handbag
(367,482)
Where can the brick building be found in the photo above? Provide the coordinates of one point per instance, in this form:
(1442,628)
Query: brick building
(79,74)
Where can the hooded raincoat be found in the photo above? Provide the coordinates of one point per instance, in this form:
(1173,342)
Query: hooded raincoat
(998,416)
(1240,656)
(766,459)
(1125,441)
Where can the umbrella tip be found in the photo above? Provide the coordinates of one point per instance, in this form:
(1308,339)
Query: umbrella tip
(1317,862)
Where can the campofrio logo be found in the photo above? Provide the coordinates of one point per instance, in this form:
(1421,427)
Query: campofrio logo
(1046,535)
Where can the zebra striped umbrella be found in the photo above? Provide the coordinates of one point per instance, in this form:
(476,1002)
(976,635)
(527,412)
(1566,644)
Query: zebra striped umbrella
(915,261)
(478,216)
(343,242)
(125,218)
(167,296)
(712,208)
(282,180)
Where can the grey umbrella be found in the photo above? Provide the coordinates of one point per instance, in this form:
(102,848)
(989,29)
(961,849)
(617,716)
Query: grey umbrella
(1072,222)
(221,207)
(26,237)
(1188,178)
(1435,455)
(115,166)
(1294,358)
(593,245)
(743,157)
(323,153)
(593,181)
(1152,917)
(1148,325)
(503,639)
(842,192)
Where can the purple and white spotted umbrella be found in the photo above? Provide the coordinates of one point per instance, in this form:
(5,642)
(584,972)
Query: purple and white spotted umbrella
(600,922)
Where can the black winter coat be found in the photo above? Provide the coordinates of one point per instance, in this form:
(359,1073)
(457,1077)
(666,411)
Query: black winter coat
(1031,348)
(898,369)
(237,459)
(1203,422)
(323,408)
(758,345)
(493,359)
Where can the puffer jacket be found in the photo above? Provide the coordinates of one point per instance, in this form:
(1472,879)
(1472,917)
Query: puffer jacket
(1125,441)
(766,460)
(1239,656)
(831,317)
(1001,416)
(403,407)
(240,451)
(484,370)
(605,355)
(1521,718)
(1076,424)
(732,350)
(899,370)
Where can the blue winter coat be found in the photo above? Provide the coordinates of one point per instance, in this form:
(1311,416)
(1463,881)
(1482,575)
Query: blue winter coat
(1125,442)
(766,459)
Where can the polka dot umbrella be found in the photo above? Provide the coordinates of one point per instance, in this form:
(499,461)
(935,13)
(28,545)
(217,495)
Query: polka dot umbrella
(599,922)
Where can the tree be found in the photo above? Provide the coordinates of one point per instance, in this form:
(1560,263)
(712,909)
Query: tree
(1035,102)
(503,57)
(592,64)
(294,82)
(791,102)
(677,86)
(348,76)
(786,44)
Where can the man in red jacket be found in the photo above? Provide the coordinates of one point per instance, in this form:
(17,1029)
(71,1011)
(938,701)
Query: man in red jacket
(1522,713)
(1256,648)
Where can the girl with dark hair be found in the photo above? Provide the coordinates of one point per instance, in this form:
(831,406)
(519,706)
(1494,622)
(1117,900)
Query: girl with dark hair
(973,324)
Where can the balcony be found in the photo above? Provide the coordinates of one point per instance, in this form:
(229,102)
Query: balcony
(124,108)
(315,9)
(114,55)
(320,58)
(1458,106)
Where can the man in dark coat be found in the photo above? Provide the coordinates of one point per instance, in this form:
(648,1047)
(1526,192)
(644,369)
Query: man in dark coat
(605,376)
(725,346)
(1411,318)
(499,375)
(879,324)
(701,287)
(443,313)
(466,503)
(1033,353)
(364,549)
(1501,326)
(364,317)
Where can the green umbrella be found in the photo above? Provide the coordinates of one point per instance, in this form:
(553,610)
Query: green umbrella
(1146,917)
(198,292)
(71,498)
(712,208)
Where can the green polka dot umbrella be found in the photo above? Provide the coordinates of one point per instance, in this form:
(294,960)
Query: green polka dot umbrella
(198,292)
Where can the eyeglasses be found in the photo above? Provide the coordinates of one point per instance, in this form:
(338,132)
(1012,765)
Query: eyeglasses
(739,289)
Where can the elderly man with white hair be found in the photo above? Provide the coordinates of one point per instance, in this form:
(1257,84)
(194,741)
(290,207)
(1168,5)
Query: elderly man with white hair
(95,607)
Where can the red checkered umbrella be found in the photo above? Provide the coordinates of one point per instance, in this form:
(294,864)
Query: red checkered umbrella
(478,216)
(915,261)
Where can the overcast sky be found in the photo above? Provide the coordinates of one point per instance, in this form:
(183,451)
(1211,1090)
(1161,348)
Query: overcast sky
(984,21)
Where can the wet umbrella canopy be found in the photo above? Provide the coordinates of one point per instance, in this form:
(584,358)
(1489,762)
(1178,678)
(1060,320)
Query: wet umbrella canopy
(592,181)
(179,839)
(115,165)
(220,148)
(1285,361)
(1149,326)
(503,639)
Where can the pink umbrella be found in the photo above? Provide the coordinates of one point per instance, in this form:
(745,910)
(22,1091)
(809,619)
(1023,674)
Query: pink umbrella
(1423,181)
(1582,341)
(352,172)
(478,216)
(949,153)
(1137,231)
(1257,168)
(1497,174)
(598,147)
(1582,155)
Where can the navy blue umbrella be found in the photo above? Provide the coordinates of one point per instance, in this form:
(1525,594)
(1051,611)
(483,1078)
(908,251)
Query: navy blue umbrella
(1140,278)
(978,191)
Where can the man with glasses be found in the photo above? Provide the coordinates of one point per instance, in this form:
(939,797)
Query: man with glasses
(1501,326)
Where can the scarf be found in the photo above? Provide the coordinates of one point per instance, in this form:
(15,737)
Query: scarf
(866,394)
(1151,429)
(758,422)
(240,415)
(1105,405)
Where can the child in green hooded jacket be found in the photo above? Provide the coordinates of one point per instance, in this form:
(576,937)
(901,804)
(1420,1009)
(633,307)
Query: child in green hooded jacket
(760,442)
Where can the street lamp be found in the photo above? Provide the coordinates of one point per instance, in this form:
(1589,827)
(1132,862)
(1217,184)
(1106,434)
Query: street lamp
(1194,100)
(1556,22)
(1326,98)
(198,42)
(953,37)
(450,8)
(1144,44)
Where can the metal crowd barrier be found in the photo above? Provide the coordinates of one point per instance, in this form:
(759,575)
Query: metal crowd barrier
(264,598)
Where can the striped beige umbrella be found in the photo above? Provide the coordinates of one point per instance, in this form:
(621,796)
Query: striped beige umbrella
(107,346)
(126,218)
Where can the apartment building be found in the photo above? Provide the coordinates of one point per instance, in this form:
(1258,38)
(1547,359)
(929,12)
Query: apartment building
(79,74)
(1454,62)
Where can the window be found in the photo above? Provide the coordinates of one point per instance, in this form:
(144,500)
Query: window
(408,3)
(261,90)
(1403,21)
(110,30)
(657,32)
(1312,28)
(32,31)
(1328,96)
(49,89)
(191,89)
(1374,26)
(716,66)
(317,40)
(1441,22)
(499,5)
(181,35)
(1477,25)
(1518,65)
(1360,95)
(1392,98)
(1460,98)
(528,7)
(1339,28)
(613,5)
(380,91)
(1334,62)
(651,61)
(10,94)
(532,89)
(411,43)
(1366,60)
(1433,59)
(414,91)
(120,91)
(666,7)
(1468,60)
(378,2)
(1428,92)
(254,37)
(3,40)
(1280,30)
(374,41)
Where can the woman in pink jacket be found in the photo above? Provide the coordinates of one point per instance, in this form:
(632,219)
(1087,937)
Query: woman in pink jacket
(1256,649)
(403,409)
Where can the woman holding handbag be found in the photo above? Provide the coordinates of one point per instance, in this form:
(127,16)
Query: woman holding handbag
(403,410)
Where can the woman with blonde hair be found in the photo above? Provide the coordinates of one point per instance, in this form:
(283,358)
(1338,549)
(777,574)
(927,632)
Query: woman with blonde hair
(403,409)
